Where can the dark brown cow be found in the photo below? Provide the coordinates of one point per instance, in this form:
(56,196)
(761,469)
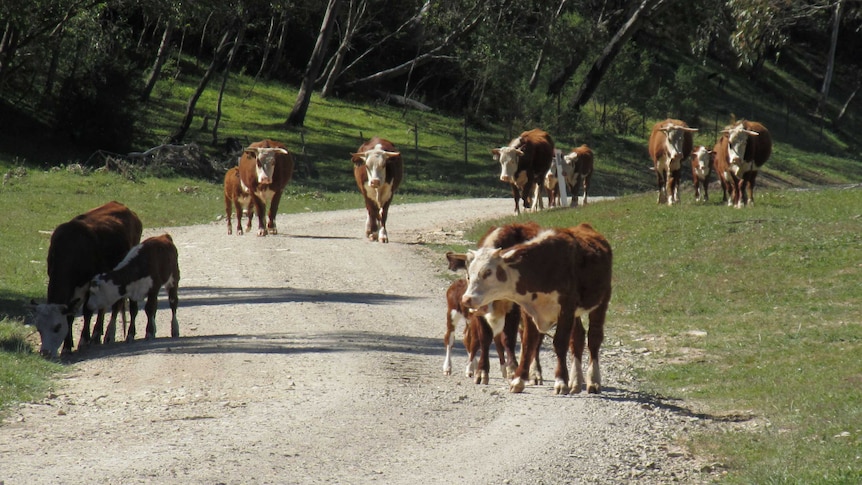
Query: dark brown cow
(701,167)
(235,196)
(669,144)
(556,277)
(577,168)
(87,245)
(740,152)
(523,164)
(378,170)
(140,275)
(502,317)
(265,168)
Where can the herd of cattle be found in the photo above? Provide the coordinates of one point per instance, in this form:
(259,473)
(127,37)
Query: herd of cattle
(521,280)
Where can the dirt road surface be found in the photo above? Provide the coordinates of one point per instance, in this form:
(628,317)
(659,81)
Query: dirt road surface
(315,356)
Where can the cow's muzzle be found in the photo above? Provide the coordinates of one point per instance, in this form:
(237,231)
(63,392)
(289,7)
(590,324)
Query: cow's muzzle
(374,183)
(505,178)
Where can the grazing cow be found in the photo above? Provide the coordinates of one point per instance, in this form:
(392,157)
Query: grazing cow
(740,152)
(378,170)
(265,168)
(235,196)
(555,277)
(504,317)
(141,274)
(578,166)
(701,167)
(523,162)
(669,144)
(85,246)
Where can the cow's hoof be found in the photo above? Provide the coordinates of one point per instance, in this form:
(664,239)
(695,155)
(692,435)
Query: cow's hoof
(481,377)
(517,385)
(261,232)
(594,388)
(447,372)
(575,388)
(537,379)
(561,388)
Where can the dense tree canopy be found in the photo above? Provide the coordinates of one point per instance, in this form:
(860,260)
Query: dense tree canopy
(503,61)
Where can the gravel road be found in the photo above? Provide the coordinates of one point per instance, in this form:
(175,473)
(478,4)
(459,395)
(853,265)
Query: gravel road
(315,356)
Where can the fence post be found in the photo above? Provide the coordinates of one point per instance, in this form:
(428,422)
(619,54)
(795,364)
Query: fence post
(415,143)
(466,161)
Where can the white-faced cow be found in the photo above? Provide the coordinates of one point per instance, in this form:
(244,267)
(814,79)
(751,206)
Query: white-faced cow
(148,266)
(265,168)
(556,277)
(552,185)
(502,317)
(523,163)
(669,144)
(578,168)
(235,196)
(701,168)
(85,246)
(378,170)
(740,152)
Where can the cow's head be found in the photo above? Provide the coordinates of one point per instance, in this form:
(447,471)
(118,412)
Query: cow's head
(737,141)
(551,179)
(489,276)
(52,322)
(102,293)
(375,163)
(701,159)
(508,157)
(265,158)
(675,140)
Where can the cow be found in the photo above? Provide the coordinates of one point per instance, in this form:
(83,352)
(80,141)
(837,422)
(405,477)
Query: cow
(265,168)
(669,144)
(523,162)
(578,167)
(556,277)
(701,168)
(235,196)
(741,150)
(140,275)
(552,185)
(378,170)
(503,317)
(81,248)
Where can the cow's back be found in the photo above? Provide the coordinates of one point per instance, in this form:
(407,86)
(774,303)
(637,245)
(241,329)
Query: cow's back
(538,148)
(759,148)
(509,235)
(584,164)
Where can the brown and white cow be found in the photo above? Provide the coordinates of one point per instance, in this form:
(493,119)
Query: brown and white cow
(265,168)
(378,170)
(552,185)
(235,196)
(85,246)
(740,152)
(556,277)
(523,163)
(578,168)
(140,275)
(503,317)
(669,144)
(701,168)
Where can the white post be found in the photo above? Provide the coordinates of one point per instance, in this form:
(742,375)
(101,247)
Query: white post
(561,178)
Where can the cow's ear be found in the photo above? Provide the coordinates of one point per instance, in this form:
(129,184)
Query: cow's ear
(456,260)
(356,158)
(509,257)
(519,152)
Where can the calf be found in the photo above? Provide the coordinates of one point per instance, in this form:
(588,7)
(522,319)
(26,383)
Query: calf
(701,167)
(578,167)
(523,162)
(552,185)
(235,196)
(148,266)
(265,168)
(378,170)
(88,244)
(556,277)
(669,144)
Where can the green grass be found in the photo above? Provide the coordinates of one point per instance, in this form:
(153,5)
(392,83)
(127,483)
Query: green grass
(747,312)
(24,376)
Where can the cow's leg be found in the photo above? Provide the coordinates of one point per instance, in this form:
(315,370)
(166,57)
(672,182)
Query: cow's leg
(537,190)
(510,338)
(670,189)
(529,344)
(228,204)
(483,332)
(150,309)
(471,343)
(239,213)
(536,366)
(133,314)
(449,339)
(98,328)
(595,337)
(259,210)
(371,227)
(578,336)
(273,211)
(383,236)
(500,346)
(111,331)
(586,186)
(517,195)
(68,342)
(562,336)
(173,301)
(705,183)
(751,177)
(739,194)
(662,198)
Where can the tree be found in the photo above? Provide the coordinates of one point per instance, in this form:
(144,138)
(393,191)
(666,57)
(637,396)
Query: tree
(303,98)
(830,59)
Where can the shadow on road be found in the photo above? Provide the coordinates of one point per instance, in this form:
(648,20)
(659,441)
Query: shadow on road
(209,295)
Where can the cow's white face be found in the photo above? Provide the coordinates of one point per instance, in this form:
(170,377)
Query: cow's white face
(701,158)
(375,164)
(488,277)
(51,320)
(508,158)
(551,177)
(266,163)
(570,163)
(674,145)
(737,142)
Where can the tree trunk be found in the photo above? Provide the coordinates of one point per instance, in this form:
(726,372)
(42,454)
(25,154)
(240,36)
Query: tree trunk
(266,49)
(230,57)
(830,61)
(534,79)
(279,49)
(300,108)
(161,56)
(177,136)
(338,61)
(603,63)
